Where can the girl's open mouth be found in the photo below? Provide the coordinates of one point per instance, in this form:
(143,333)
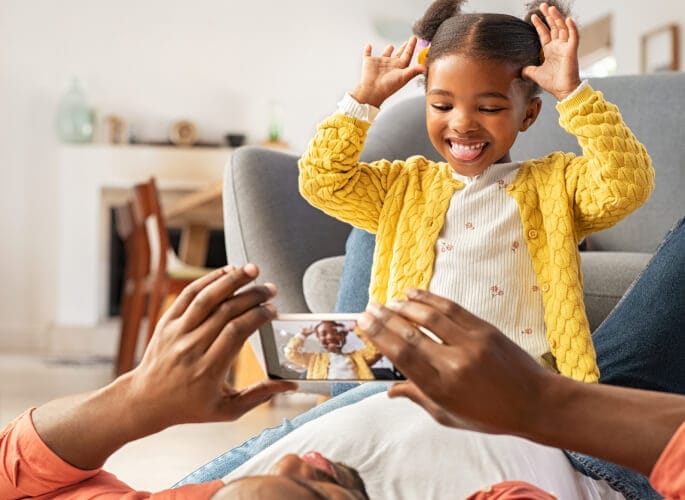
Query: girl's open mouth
(467,152)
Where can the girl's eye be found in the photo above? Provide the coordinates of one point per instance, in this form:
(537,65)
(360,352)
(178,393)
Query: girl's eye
(441,107)
(490,110)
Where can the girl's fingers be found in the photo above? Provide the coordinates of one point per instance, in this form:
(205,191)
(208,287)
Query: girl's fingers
(549,17)
(388,51)
(367,50)
(572,31)
(543,32)
(558,20)
(408,48)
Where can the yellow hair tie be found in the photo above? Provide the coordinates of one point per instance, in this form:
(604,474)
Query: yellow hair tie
(421,57)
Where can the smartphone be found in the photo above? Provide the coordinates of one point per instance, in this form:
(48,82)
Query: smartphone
(322,348)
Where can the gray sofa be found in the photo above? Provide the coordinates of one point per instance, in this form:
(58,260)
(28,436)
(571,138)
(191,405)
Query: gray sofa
(301,249)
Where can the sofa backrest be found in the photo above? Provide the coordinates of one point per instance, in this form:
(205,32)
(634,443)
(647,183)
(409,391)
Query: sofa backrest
(651,106)
(268,222)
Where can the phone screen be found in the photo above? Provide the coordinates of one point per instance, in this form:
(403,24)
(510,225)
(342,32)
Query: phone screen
(316,347)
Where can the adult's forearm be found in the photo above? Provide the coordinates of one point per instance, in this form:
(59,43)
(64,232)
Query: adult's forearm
(626,426)
(85,429)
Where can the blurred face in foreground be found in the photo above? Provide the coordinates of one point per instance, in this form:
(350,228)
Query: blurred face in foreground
(311,476)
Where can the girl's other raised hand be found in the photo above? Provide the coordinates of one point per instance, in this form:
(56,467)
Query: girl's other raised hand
(385,74)
(558,74)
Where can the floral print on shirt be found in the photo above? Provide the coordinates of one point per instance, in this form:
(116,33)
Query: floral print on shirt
(445,246)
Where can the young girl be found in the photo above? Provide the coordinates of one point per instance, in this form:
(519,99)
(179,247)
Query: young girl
(333,364)
(498,237)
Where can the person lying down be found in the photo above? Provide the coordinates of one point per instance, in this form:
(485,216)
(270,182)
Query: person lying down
(401,452)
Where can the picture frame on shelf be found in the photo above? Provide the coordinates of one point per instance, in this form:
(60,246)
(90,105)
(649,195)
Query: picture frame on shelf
(659,49)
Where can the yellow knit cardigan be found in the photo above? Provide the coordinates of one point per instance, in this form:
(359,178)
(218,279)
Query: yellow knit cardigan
(317,363)
(562,198)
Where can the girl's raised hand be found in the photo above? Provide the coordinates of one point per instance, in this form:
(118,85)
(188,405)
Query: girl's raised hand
(559,73)
(385,74)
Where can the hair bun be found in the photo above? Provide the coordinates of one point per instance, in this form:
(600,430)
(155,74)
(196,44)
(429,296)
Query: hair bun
(426,27)
(533,7)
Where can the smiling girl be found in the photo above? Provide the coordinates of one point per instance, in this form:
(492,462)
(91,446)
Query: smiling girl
(496,236)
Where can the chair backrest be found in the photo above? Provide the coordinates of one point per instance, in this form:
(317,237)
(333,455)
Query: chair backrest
(130,226)
(149,209)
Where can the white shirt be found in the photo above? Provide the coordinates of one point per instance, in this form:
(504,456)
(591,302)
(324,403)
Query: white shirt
(402,453)
(482,260)
(340,367)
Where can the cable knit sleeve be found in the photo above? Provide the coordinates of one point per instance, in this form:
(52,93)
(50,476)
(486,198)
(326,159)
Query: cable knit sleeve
(333,180)
(295,353)
(614,176)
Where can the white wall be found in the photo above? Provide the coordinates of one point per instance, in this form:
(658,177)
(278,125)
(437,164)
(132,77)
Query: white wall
(216,62)
(631,20)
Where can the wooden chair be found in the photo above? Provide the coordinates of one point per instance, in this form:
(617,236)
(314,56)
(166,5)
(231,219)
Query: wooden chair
(169,275)
(130,226)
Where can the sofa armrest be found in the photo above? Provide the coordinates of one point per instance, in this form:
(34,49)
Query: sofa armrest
(267,222)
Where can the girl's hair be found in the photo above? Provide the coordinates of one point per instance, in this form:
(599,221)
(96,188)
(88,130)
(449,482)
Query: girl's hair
(494,37)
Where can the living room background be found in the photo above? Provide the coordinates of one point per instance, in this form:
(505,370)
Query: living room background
(219,63)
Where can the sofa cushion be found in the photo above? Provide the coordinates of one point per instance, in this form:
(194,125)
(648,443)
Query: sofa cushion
(320,284)
(606,278)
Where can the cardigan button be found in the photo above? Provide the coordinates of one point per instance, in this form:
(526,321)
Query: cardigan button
(532,234)
(545,287)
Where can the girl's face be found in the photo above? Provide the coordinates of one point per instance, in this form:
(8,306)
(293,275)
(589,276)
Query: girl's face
(474,111)
(331,336)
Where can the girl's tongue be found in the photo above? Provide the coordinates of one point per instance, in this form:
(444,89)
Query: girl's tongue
(466,152)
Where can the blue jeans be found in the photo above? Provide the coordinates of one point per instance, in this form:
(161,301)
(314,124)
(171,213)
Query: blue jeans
(353,293)
(640,344)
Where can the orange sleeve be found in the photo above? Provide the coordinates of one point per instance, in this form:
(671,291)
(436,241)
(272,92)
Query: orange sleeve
(29,468)
(511,490)
(668,475)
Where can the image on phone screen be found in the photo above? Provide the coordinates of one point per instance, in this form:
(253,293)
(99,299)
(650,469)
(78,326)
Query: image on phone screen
(322,347)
